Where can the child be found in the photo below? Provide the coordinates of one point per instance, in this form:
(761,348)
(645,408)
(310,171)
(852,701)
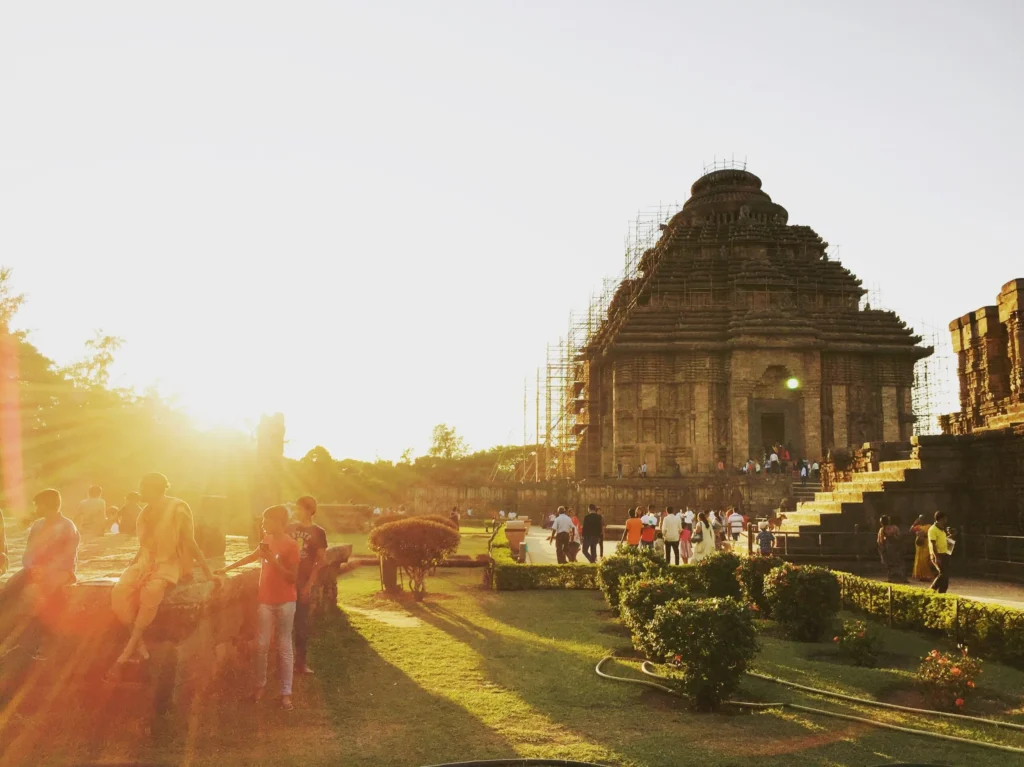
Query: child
(685,549)
(765,540)
(313,542)
(276,611)
(659,545)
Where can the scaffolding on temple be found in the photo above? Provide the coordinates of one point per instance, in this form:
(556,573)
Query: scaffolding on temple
(934,394)
(569,411)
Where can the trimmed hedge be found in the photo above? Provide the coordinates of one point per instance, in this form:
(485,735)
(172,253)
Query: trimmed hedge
(509,575)
(803,599)
(640,597)
(717,574)
(751,574)
(989,630)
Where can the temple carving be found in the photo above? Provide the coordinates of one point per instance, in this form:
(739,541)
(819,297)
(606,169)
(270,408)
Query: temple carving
(737,332)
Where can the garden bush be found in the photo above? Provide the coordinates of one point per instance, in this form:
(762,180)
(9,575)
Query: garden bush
(989,630)
(640,596)
(751,574)
(627,560)
(717,575)
(858,643)
(417,546)
(706,644)
(948,678)
(804,600)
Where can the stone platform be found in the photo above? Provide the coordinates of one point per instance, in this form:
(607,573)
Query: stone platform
(202,630)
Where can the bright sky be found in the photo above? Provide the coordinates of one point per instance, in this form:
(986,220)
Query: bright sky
(372,216)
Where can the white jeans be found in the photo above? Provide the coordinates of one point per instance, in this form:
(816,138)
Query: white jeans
(275,620)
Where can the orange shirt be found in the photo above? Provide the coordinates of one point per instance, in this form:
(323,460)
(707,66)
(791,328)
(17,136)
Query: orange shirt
(274,589)
(634,529)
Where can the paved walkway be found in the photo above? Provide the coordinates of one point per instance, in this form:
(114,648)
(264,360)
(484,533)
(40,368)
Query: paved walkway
(995,592)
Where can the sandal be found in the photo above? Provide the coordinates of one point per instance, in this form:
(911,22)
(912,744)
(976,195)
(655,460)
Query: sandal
(286,703)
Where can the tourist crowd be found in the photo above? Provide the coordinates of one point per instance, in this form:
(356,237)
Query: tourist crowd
(933,547)
(290,554)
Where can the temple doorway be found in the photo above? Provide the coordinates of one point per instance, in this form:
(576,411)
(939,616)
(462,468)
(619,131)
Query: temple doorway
(773,428)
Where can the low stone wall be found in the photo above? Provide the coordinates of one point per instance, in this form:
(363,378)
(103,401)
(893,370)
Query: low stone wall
(756,495)
(200,631)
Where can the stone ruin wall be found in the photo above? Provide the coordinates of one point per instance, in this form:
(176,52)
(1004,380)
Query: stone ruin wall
(989,344)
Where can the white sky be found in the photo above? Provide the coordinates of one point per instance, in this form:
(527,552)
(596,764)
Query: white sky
(372,216)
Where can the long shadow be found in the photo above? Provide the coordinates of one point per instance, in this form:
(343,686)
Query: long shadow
(647,726)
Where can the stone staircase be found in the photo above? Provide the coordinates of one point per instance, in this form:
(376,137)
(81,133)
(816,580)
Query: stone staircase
(844,506)
(806,492)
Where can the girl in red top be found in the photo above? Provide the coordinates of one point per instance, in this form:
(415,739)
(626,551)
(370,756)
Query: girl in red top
(279,566)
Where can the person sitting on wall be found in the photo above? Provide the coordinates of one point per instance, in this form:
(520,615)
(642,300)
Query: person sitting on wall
(91,515)
(48,565)
(167,548)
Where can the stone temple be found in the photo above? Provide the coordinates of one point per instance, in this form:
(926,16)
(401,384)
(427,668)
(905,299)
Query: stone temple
(737,331)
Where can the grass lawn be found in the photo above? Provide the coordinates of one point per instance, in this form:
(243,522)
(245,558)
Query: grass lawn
(474,674)
(474,541)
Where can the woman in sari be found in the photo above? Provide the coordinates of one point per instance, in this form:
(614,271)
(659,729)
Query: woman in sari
(167,548)
(889,550)
(703,538)
(922,563)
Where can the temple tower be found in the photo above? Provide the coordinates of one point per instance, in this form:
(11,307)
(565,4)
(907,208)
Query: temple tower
(738,332)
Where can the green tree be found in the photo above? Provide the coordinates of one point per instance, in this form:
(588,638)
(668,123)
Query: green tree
(446,444)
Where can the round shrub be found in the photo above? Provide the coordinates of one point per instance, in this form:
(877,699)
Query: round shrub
(804,600)
(947,679)
(717,575)
(751,574)
(417,546)
(706,643)
(858,642)
(640,597)
(626,560)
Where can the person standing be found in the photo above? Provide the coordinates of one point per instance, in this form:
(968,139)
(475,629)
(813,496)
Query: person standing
(765,539)
(560,534)
(91,515)
(592,533)
(922,562)
(278,554)
(312,540)
(703,538)
(940,551)
(735,523)
(672,529)
(643,470)
(889,550)
(634,528)
(648,532)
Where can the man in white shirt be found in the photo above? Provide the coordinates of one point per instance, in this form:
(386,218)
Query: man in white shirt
(561,530)
(773,463)
(512,515)
(643,470)
(815,468)
(735,524)
(501,514)
(688,517)
(671,529)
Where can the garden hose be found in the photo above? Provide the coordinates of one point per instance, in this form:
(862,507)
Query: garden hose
(880,704)
(818,711)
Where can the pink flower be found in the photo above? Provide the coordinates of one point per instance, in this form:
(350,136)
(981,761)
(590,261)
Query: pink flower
(971,685)
(959,702)
(955,671)
(934,653)
(943,661)
(835,639)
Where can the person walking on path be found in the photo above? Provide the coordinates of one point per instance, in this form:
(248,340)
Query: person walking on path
(312,540)
(278,554)
(765,539)
(735,523)
(634,529)
(922,561)
(592,533)
(672,529)
(940,549)
(889,550)
(91,515)
(649,529)
(703,538)
(167,549)
(560,534)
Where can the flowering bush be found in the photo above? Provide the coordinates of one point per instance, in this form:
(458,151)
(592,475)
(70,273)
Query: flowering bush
(948,678)
(803,599)
(627,560)
(640,596)
(717,574)
(751,574)
(858,642)
(416,546)
(706,644)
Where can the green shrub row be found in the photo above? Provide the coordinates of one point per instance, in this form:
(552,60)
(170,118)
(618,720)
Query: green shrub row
(509,575)
(988,630)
